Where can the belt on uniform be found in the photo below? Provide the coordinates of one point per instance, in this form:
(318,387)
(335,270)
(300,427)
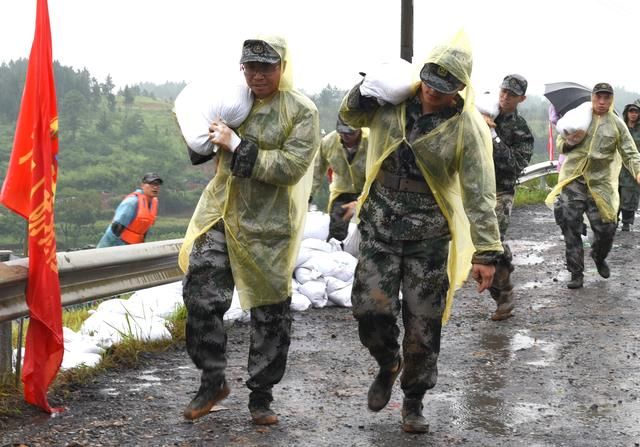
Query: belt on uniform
(401,183)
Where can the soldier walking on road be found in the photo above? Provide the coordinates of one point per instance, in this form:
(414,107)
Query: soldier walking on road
(587,184)
(247,229)
(628,187)
(512,150)
(428,168)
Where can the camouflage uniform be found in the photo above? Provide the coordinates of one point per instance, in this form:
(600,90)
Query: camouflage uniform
(628,186)
(348,178)
(512,150)
(404,246)
(586,184)
(575,200)
(208,290)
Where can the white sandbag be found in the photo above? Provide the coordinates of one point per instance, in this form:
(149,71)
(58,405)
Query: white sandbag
(390,81)
(341,297)
(73,359)
(316,226)
(299,302)
(108,328)
(317,244)
(162,301)
(114,305)
(346,266)
(334,284)
(488,104)
(294,284)
(303,255)
(76,342)
(351,243)
(322,262)
(306,274)
(202,102)
(576,120)
(315,292)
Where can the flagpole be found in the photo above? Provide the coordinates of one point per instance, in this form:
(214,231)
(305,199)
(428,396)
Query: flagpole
(25,252)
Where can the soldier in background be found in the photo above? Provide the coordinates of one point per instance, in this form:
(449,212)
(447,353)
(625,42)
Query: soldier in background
(627,185)
(512,150)
(586,184)
(344,151)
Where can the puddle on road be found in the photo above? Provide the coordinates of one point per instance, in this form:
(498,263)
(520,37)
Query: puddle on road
(109,392)
(481,404)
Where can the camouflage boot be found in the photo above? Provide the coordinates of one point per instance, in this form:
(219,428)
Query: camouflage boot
(502,290)
(260,408)
(209,394)
(412,419)
(380,390)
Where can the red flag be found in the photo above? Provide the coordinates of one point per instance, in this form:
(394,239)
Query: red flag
(29,190)
(550,144)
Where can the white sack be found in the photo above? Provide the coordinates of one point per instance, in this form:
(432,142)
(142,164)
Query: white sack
(299,302)
(341,297)
(351,243)
(316,225)
(334,284)
(575,119)
(317,244)
(390,81)
(315,291)
(202,102)
(488,104)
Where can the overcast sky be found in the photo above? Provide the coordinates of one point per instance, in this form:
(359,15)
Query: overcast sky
(332,40)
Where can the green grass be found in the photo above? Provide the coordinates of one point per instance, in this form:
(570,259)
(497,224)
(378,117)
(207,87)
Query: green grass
(123,355)
(535,191)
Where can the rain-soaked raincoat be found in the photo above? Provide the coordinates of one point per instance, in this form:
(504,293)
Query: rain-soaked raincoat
(598,159)
(455,160)
(347,177)
(264,214)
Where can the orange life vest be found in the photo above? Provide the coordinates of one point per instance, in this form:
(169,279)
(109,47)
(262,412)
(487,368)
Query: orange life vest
(145,217)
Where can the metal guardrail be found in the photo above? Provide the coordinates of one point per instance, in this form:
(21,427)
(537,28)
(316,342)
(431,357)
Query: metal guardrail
(88,275)
(538,170)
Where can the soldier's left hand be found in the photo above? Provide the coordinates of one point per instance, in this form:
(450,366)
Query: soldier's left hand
(349,210)
(638,178)
(483,274)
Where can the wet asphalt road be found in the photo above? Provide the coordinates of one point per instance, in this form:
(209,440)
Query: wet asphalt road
(564,371)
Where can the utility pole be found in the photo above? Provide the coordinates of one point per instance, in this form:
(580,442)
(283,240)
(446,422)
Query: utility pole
(406,30)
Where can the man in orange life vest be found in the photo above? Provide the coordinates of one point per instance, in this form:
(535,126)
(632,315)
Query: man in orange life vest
(135,214)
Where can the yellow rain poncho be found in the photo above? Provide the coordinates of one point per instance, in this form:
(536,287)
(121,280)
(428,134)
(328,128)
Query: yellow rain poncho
(597,158)
(347,177)
(455,159)
(264,215)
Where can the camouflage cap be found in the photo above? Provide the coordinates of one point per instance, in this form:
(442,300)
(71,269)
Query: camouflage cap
(439,78)
(258,51)
(602,87)
(151,177)
(342,127)
(515,83)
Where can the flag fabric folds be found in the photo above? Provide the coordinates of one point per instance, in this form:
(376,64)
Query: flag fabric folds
(29,190)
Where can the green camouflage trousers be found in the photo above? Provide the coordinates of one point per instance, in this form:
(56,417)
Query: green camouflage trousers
(574,201)
(419,269)
(338,227)
(629,196)
(207,293)
(501,289)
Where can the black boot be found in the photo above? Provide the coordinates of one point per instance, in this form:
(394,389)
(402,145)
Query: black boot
(207,396)
(380,390)
(412,419)
(602,266)
(576,281)
(260,408)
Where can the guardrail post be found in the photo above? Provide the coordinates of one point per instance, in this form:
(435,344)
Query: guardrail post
(6,351)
